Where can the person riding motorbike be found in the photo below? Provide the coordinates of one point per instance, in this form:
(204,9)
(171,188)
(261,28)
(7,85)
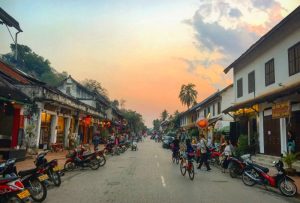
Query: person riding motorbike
(175,148)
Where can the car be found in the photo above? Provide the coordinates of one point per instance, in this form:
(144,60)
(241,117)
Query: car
(167,141)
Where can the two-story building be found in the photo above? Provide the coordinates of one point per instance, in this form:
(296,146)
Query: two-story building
(267,87)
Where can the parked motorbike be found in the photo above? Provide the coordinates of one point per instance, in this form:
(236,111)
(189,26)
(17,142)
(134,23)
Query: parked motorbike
(101,156)
(237,165)
(32,180)
(214,157)
(111,149)
(134,146)
(255,174)
(12,190)
(77,159)
(50,168)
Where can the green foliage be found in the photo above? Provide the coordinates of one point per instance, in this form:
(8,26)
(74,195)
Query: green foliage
(94,85)
(243,146)
(156,124)
(290,158)
(194,132)
(188,95)
(135,121)
(31,63)
(104,133)
(164,115)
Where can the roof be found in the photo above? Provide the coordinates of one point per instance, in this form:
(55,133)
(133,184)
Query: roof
(9,92)
(8,20)
(267,97)
(94,93)
(291,18)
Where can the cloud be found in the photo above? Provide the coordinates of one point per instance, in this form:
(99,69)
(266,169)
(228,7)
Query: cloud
(263,4)
(235,13)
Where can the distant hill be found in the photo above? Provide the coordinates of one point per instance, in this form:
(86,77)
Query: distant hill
(33,64)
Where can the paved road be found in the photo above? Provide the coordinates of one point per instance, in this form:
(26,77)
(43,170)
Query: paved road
(149,176)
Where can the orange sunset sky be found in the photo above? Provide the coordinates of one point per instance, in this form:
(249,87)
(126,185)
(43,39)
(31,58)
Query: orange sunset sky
(144,50)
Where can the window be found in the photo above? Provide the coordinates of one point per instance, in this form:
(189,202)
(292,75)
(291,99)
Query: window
(214,112)
(251,82)
(240,88)
(269,72)
(204,112)
(208,110)
(219,107)
(294,59)
(68,90)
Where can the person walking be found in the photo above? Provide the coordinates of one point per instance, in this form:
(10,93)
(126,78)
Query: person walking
(291,144)
(204,153)
(96,141)
(227,153)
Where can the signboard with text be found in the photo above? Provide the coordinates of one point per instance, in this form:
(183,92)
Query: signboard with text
(281,110)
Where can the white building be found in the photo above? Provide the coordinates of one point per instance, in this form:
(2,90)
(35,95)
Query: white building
(267,86)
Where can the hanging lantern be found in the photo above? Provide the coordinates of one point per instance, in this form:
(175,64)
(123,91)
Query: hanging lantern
(203,123)
(87,121)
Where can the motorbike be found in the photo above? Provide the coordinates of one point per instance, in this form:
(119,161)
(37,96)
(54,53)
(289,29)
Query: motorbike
(101,157)
(111,149)
(77,158)
(134,146)
(256,174)
(12,190)
(237,165)
(214,157)
(32,179)
(50,168)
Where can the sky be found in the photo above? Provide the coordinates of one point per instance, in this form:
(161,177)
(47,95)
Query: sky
(142,51)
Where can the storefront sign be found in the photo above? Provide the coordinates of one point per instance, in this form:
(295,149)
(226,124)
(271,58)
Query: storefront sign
(281,110)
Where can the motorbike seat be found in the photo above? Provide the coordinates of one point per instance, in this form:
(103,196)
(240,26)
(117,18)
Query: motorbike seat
(87,155)
(264,169)
(27,172)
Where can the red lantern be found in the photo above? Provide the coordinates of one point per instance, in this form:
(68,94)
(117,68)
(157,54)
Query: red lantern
(87,121)
(203,123)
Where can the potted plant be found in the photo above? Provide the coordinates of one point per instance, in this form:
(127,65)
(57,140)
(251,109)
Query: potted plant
(289,159)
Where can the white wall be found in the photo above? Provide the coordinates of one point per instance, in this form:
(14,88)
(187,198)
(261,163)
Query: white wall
(280,54)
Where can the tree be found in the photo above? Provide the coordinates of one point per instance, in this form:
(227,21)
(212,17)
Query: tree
(115,103)
(135,121)
(188,95)
(156,124)
(164,115)
(122,103)
(94,85)
(33,64)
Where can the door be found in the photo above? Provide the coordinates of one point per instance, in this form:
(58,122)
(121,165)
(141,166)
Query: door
(272,136)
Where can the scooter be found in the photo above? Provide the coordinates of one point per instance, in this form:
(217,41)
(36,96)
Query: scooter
(134,146)
(13,190)
(32,180)
(237,165)
(255,174)
(50,168)
(78,159)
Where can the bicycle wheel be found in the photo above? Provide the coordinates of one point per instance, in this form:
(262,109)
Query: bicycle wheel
(191,171)
(182,168)
(177,159)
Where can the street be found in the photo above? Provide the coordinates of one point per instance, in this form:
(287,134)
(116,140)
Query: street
(148,175)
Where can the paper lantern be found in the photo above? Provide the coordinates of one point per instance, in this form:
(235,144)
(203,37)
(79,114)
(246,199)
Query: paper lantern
(203,123)
(87,121)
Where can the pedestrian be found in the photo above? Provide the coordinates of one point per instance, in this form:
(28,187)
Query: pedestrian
(204,153)
(291,144)
(96,141)
(227,153)
(189,150)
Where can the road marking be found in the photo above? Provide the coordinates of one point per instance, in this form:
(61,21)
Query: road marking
(157,165)
(163,181)
(155,156)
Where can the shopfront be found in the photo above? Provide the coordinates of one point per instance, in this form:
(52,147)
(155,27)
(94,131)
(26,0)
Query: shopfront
(45,135)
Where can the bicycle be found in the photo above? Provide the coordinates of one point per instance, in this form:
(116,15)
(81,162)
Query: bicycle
(189,167)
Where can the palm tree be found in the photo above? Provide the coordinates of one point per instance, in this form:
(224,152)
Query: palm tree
(188,94)
(164,115)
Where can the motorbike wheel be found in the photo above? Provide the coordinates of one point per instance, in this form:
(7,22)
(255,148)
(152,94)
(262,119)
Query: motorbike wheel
(182,168)
(38,190)
(94,164)
(55,178)
(246,179)
(102,160)
(70,166)
(233,170)
(191,172)
(173,159)
(287,187)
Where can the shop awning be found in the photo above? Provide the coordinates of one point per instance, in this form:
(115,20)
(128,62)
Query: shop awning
(222,126)
(267,97)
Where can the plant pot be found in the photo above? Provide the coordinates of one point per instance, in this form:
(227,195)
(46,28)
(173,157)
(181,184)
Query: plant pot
(290,171)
